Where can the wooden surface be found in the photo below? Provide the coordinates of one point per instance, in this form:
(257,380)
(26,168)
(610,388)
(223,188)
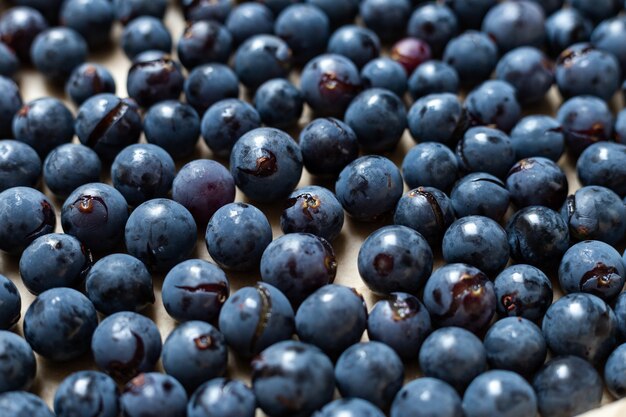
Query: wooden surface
(346,245)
